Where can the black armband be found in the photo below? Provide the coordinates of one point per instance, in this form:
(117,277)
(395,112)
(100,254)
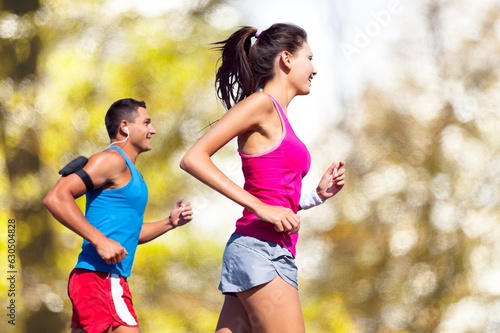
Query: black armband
(86,179)
(73,166)
(76,167)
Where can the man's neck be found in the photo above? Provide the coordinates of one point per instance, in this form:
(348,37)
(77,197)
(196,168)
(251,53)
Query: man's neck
(129,151)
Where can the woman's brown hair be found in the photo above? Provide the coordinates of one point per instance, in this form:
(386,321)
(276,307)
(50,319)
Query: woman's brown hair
(245,67)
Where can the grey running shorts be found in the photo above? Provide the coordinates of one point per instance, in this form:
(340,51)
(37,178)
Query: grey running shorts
(249,262)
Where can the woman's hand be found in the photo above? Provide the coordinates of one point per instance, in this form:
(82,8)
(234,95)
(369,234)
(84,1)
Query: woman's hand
(332,181)
(284,219)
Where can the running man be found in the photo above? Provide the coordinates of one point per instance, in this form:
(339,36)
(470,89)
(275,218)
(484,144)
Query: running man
(112,227)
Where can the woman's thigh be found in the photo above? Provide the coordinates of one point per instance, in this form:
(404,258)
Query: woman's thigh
(233,317)
(273,307)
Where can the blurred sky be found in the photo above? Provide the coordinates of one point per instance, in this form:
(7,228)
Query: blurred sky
(352,42)
(349,40)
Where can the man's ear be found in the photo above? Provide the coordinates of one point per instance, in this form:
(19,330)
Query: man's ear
(124,128)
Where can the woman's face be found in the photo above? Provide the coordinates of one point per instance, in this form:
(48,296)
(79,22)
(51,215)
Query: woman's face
(302,70)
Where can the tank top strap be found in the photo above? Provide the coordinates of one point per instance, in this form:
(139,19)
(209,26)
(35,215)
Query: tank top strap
(125,157)
(278,106)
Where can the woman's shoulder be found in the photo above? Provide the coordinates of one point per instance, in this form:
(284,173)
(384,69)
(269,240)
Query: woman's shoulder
(261,97)
(258,102)
(250,113)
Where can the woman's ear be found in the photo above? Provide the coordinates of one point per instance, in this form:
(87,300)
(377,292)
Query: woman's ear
(285,58)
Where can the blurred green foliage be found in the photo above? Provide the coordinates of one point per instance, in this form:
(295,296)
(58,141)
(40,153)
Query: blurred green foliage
(62,65)
(412,242)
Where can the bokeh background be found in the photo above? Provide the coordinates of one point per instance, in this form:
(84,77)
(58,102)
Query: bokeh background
(407,93)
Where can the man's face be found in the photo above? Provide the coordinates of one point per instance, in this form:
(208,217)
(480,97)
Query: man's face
(141,131)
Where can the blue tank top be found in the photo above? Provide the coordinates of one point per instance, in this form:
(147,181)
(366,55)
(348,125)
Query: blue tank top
(119,214)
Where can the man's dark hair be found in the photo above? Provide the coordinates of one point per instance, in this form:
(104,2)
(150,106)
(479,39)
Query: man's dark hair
(121,109)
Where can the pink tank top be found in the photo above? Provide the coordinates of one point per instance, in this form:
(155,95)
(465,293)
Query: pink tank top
(275,177)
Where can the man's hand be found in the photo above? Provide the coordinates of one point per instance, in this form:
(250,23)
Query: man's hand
(110,251)
(181,214)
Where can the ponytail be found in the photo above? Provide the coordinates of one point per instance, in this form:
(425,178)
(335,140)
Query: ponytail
(245,67)
(234,79)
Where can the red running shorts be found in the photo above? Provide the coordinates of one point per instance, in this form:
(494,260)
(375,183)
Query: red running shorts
(100,300)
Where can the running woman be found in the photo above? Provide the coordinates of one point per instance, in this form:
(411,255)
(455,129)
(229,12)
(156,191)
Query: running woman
(259,75)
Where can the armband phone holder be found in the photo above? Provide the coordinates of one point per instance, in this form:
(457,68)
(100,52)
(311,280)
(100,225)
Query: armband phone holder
(76,167)
(73,166)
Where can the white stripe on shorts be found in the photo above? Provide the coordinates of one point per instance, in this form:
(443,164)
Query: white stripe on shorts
(120,306)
